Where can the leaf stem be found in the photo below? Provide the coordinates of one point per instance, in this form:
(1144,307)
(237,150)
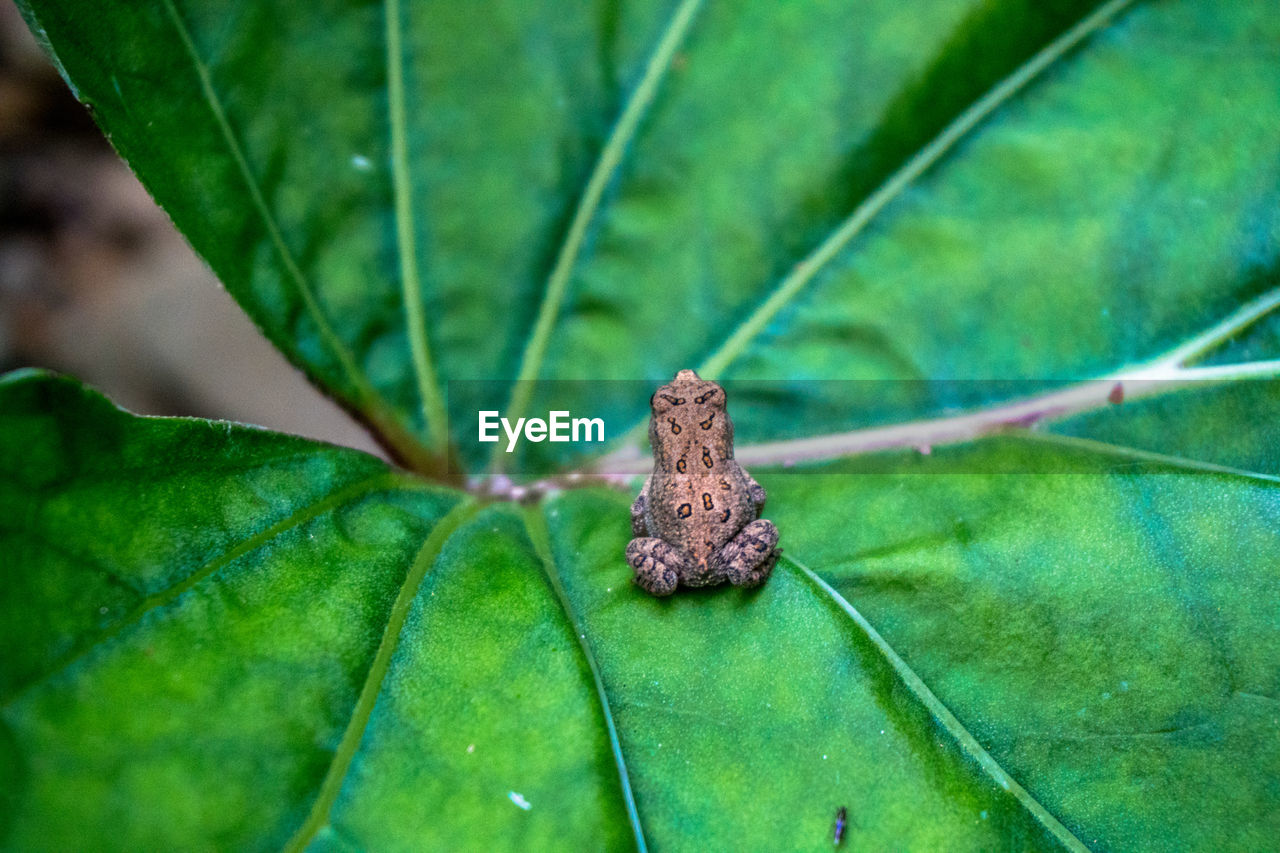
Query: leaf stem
(1133,384)
(433,407)
(605,168)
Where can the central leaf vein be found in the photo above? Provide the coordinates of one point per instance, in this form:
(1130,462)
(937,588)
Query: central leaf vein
(967,742)
(536,525)
(605,168)
(433,408)
(363,709)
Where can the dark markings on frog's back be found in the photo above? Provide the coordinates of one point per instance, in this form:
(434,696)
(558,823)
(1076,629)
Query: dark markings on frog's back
(675,545)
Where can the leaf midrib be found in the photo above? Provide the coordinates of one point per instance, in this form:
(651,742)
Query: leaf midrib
(432,400)
(966,741)
(539,535)
(610,158)
(353,734)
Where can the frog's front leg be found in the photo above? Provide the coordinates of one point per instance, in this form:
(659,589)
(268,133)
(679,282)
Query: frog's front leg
(657,564)
(638,507)
(748,558)
(755,490)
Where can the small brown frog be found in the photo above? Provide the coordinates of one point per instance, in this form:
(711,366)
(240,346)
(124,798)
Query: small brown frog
(697,519)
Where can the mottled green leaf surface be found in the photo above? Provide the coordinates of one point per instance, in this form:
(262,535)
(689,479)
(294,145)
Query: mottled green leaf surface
(356,661)
(188,611)
(1110,634)
(731,744)
(214,636)
(337,657)
(488,703)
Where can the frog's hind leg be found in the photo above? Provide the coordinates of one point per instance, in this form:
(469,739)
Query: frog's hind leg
(657,564)
(749,557)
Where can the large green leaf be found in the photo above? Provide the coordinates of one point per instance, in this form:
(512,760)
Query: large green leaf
(649,186)
(1110,634)
(289,644)
(215,636)
(187,607)
(330,653)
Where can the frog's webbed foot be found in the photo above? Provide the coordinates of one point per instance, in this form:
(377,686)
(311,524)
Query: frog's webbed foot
(749,557)
(657,564)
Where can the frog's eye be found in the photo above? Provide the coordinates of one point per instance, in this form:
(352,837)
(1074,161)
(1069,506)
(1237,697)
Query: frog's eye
(711,396)
(661,402)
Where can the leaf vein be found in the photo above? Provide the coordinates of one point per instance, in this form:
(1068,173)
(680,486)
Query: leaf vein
(380,411)
(1139,456)
(353,734)
(433,408)
(606,166)
(922,161)
(384,480)
(536,525)
(967,742)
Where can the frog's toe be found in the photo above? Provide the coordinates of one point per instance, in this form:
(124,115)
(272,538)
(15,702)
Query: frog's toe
(656,565)
(750,556)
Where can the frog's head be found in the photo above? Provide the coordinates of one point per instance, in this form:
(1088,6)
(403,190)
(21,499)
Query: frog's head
(689,412)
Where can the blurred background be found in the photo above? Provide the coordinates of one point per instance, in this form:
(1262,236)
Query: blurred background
(96,282)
